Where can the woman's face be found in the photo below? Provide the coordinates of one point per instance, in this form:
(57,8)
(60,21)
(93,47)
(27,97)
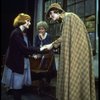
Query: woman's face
(54,16)
(41,30)
(27,24)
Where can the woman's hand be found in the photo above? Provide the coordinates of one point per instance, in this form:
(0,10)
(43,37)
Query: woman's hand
(41,36)
(48,46)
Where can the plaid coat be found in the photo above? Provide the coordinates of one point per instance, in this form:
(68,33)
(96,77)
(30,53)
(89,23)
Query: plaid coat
(75,78)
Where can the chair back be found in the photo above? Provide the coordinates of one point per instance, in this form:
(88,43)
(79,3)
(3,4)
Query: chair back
(41,64)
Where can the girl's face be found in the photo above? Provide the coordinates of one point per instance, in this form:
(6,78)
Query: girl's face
(54,16)
(27,24)
(41,30)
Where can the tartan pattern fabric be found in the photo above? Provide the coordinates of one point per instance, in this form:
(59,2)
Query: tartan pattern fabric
(75,78)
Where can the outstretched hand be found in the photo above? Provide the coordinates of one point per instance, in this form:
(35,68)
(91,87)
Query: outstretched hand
(48,46)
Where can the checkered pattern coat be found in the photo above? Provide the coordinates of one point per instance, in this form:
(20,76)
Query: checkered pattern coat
(75,79)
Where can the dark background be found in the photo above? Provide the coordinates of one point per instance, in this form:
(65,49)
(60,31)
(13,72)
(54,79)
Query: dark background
(9,10)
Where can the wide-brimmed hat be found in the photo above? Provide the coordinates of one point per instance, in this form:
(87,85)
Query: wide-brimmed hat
(54,6)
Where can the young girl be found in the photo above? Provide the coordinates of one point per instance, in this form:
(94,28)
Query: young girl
(17,65)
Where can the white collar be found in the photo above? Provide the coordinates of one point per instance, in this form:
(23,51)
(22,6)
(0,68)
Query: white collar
(21,28)
(45,35)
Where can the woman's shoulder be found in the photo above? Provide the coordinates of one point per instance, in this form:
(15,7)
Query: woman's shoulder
(70,14)
(16,32)
(48,35)
(36,35)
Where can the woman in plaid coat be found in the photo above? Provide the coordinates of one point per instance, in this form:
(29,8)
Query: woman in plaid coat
(75,77)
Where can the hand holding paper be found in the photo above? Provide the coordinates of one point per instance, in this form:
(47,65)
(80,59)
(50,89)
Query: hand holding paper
(48,46)
(42,48)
